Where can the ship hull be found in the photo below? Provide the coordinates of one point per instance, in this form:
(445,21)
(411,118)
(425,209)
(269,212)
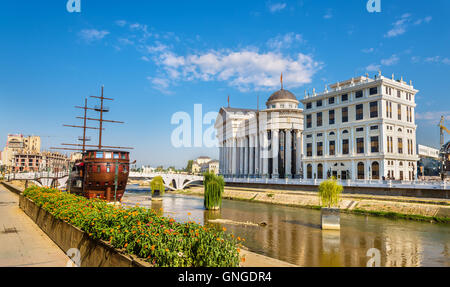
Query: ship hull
(101,174)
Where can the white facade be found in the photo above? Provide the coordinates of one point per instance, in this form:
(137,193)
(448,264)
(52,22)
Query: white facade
(263,143)
(361,129)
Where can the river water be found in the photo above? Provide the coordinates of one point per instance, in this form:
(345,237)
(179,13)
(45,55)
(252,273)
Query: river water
(294,235)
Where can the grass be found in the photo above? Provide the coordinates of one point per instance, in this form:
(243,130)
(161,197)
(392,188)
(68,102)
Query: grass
(396,215)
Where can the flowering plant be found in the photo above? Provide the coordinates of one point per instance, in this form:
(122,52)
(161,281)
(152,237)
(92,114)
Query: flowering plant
(159,240)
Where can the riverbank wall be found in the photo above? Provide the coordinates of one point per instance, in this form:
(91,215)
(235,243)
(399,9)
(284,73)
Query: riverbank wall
(425,209)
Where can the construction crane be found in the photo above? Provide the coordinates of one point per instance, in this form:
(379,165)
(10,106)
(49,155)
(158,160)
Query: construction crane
(442,129)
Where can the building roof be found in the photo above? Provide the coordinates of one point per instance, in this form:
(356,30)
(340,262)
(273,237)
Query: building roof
(282,95)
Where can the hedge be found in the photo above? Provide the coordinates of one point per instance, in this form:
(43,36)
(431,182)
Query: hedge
(159,240)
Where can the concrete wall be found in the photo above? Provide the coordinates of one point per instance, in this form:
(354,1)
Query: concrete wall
(421,193)
(94,253)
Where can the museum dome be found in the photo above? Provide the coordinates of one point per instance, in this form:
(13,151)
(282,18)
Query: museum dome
(281,95)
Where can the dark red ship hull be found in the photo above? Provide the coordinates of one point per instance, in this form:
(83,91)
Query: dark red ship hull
(101,174)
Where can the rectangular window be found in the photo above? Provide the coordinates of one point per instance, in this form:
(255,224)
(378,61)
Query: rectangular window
(308,121)
(331,117)
(116,155)
(331,101)
(99,154)
(319,149)
(332,147)
(319,119)
(358,94)
(373,109)
(360,145)
(319,103)
(99,169)
(400,145)
(345,114)
(372,128)
(107,155)
(373,91)
(374,147)
(399,112)
(344,97)
(359,129)
(399,94)
(308,136)
(359,112)
(345,148)
(308,106)
(309,149)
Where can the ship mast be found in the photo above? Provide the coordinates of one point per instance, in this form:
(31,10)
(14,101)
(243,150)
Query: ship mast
(84,139)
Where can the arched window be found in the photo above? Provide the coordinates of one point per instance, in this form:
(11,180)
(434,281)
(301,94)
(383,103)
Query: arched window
(309,171)
(332,134)
(375,170)
(345,132)
(360,170)
(319,171)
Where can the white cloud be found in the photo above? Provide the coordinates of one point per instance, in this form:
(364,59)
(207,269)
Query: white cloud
(400,26)
(121,23)
(373,68)
(367,51)
(284,41)
(433,116)
(390,61)
(242,69)
(161,84)
(90,35)
(276,7)
(328,15)
(125,41)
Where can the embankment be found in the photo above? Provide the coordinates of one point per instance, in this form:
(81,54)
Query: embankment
(425,209)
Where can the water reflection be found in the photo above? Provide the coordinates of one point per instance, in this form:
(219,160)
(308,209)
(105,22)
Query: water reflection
(294,234)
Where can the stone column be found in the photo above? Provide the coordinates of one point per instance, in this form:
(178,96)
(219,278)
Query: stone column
(288,154)
(275,151)
(246,156)
(298,157)
(241,157)
(265,155)
(234,157)
(251,157)
(257,156)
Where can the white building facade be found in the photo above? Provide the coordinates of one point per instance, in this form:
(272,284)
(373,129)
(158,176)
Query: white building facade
(262,144)
(362,128)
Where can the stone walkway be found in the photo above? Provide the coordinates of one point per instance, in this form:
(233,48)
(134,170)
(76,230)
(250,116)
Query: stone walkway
(22,242)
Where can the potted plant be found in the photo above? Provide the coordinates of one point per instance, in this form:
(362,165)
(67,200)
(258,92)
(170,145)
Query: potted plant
(158,188)
(329,197)
(213,186)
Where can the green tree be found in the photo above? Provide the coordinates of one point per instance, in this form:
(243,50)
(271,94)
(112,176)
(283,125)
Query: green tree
(330,193)
(213,187)
(157,183)
(189,165)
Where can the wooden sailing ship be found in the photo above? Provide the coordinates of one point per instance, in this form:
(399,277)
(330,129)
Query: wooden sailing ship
(100,171)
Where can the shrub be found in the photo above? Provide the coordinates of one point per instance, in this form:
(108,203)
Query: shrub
(213,186)
(159,240)
(157,183)
(330,193)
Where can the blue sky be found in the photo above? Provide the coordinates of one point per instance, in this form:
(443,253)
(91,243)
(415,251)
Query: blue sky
(157,58)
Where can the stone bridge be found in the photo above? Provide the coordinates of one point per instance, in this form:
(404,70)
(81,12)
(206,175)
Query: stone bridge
(57,180)
(173,181)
